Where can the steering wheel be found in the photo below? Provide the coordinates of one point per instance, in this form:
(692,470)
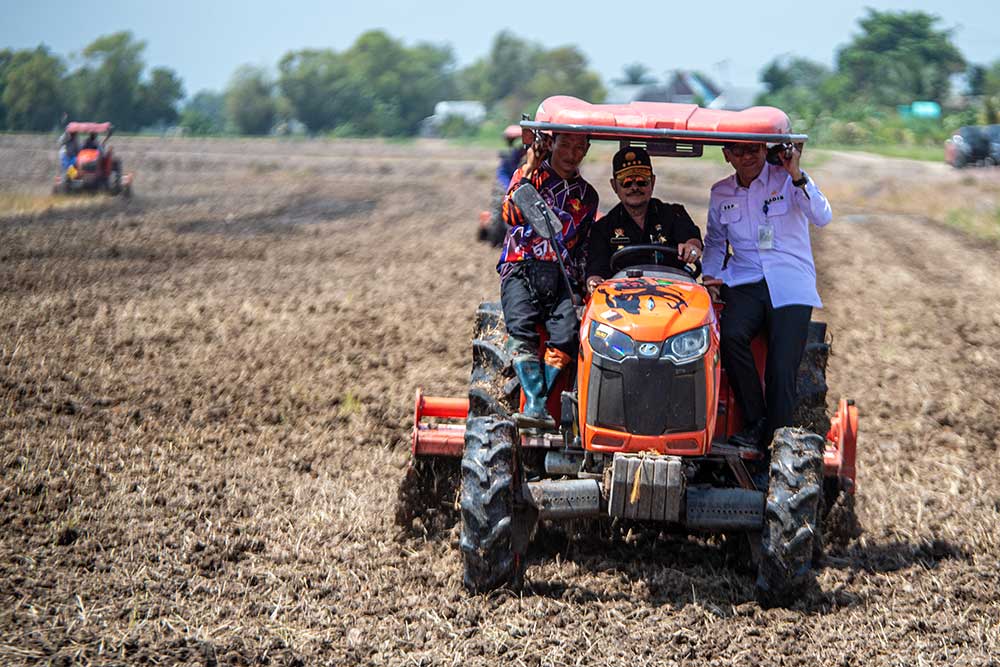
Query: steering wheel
(651,250)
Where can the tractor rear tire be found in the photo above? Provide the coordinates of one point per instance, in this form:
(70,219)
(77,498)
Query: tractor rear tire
(794,495)
(490,482)
(810,404)
(493,387)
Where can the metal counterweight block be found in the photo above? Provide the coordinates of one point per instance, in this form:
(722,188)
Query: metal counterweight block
(646,487)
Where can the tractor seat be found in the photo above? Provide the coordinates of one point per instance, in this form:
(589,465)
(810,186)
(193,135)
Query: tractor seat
(656,271)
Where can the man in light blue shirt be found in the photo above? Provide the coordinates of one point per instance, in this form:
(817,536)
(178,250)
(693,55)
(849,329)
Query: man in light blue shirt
(768,283)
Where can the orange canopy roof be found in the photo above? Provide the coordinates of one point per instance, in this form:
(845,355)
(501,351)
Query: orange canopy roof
(662,120)
(87,127)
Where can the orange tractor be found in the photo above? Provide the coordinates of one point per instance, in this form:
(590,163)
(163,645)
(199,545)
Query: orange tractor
(93,167)
(643,423)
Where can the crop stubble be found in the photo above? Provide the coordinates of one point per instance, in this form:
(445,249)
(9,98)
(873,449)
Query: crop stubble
(206,395)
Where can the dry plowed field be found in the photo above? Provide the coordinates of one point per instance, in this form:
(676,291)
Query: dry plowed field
(206,397)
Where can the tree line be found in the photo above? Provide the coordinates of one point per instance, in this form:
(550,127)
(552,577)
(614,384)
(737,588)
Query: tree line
(378,86)
(37,89)
(382,86)
(896,58)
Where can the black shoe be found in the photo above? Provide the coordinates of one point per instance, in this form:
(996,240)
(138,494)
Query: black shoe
(751,436)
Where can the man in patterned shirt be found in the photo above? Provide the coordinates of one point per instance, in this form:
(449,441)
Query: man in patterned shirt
(532,291)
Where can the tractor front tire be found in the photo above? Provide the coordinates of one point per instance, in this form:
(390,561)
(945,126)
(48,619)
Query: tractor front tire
(794,495)
(490,482)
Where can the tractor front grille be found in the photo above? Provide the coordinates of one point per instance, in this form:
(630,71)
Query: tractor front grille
(89,167)
(646,396)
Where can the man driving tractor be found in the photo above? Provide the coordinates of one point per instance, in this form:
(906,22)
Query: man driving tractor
(532,289)
(92,142)
(638,218)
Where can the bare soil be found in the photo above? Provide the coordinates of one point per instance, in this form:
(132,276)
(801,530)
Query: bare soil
(206,395)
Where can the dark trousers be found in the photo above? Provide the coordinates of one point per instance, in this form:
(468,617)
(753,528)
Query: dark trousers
(748,311)
(535,293)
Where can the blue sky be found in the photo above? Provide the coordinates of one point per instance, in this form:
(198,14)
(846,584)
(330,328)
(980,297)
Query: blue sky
(204,41)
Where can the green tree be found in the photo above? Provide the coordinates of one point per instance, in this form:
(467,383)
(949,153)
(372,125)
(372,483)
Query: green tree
(32,90)
(159,96)
(787,72)
(321,89)
(108,86)
(204,114)
(516,75)
(804,89)
(377,86)
(6,55)
(403,84)
(563,71)
(991,79)
(250,104)
(635,74)
(900,57)
(975,79)
(505,71)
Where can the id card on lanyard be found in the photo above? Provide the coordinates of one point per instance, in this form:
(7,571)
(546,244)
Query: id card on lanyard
(765,233)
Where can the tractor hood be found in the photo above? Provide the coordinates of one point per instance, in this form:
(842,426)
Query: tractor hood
(88,155)
(650,308)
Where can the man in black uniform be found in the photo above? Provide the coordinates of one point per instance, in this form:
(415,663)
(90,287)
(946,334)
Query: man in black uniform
(638,218)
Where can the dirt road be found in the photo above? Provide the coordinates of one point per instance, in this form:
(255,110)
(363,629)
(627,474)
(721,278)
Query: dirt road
(206,396)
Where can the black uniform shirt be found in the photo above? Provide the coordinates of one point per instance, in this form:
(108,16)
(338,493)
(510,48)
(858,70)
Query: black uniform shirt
(667,224)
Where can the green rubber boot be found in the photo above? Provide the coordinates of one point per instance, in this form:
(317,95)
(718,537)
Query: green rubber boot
(529,372)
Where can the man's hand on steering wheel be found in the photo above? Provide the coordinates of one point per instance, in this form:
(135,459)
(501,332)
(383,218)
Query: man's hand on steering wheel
(689,251)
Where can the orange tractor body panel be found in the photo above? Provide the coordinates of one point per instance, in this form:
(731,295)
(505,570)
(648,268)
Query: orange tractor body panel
(649,310)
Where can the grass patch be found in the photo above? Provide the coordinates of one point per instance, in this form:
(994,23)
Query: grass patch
(21,203)
(349,403)
(924,153)
(981,224)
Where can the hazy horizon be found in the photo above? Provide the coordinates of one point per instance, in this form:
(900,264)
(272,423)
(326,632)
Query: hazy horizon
(204,44)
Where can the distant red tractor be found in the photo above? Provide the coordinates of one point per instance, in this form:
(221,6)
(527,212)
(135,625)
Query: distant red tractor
(92,167)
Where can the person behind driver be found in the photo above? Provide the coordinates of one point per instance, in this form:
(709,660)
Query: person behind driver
(532,288)
(68,148)
(638,218)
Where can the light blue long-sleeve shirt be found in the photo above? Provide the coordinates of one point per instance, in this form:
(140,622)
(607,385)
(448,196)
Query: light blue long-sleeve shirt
(735,214)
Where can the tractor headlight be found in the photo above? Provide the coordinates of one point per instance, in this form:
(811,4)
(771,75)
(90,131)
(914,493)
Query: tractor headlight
(609,342)
(686,347)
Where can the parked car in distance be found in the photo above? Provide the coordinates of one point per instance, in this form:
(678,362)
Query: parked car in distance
(973,145)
